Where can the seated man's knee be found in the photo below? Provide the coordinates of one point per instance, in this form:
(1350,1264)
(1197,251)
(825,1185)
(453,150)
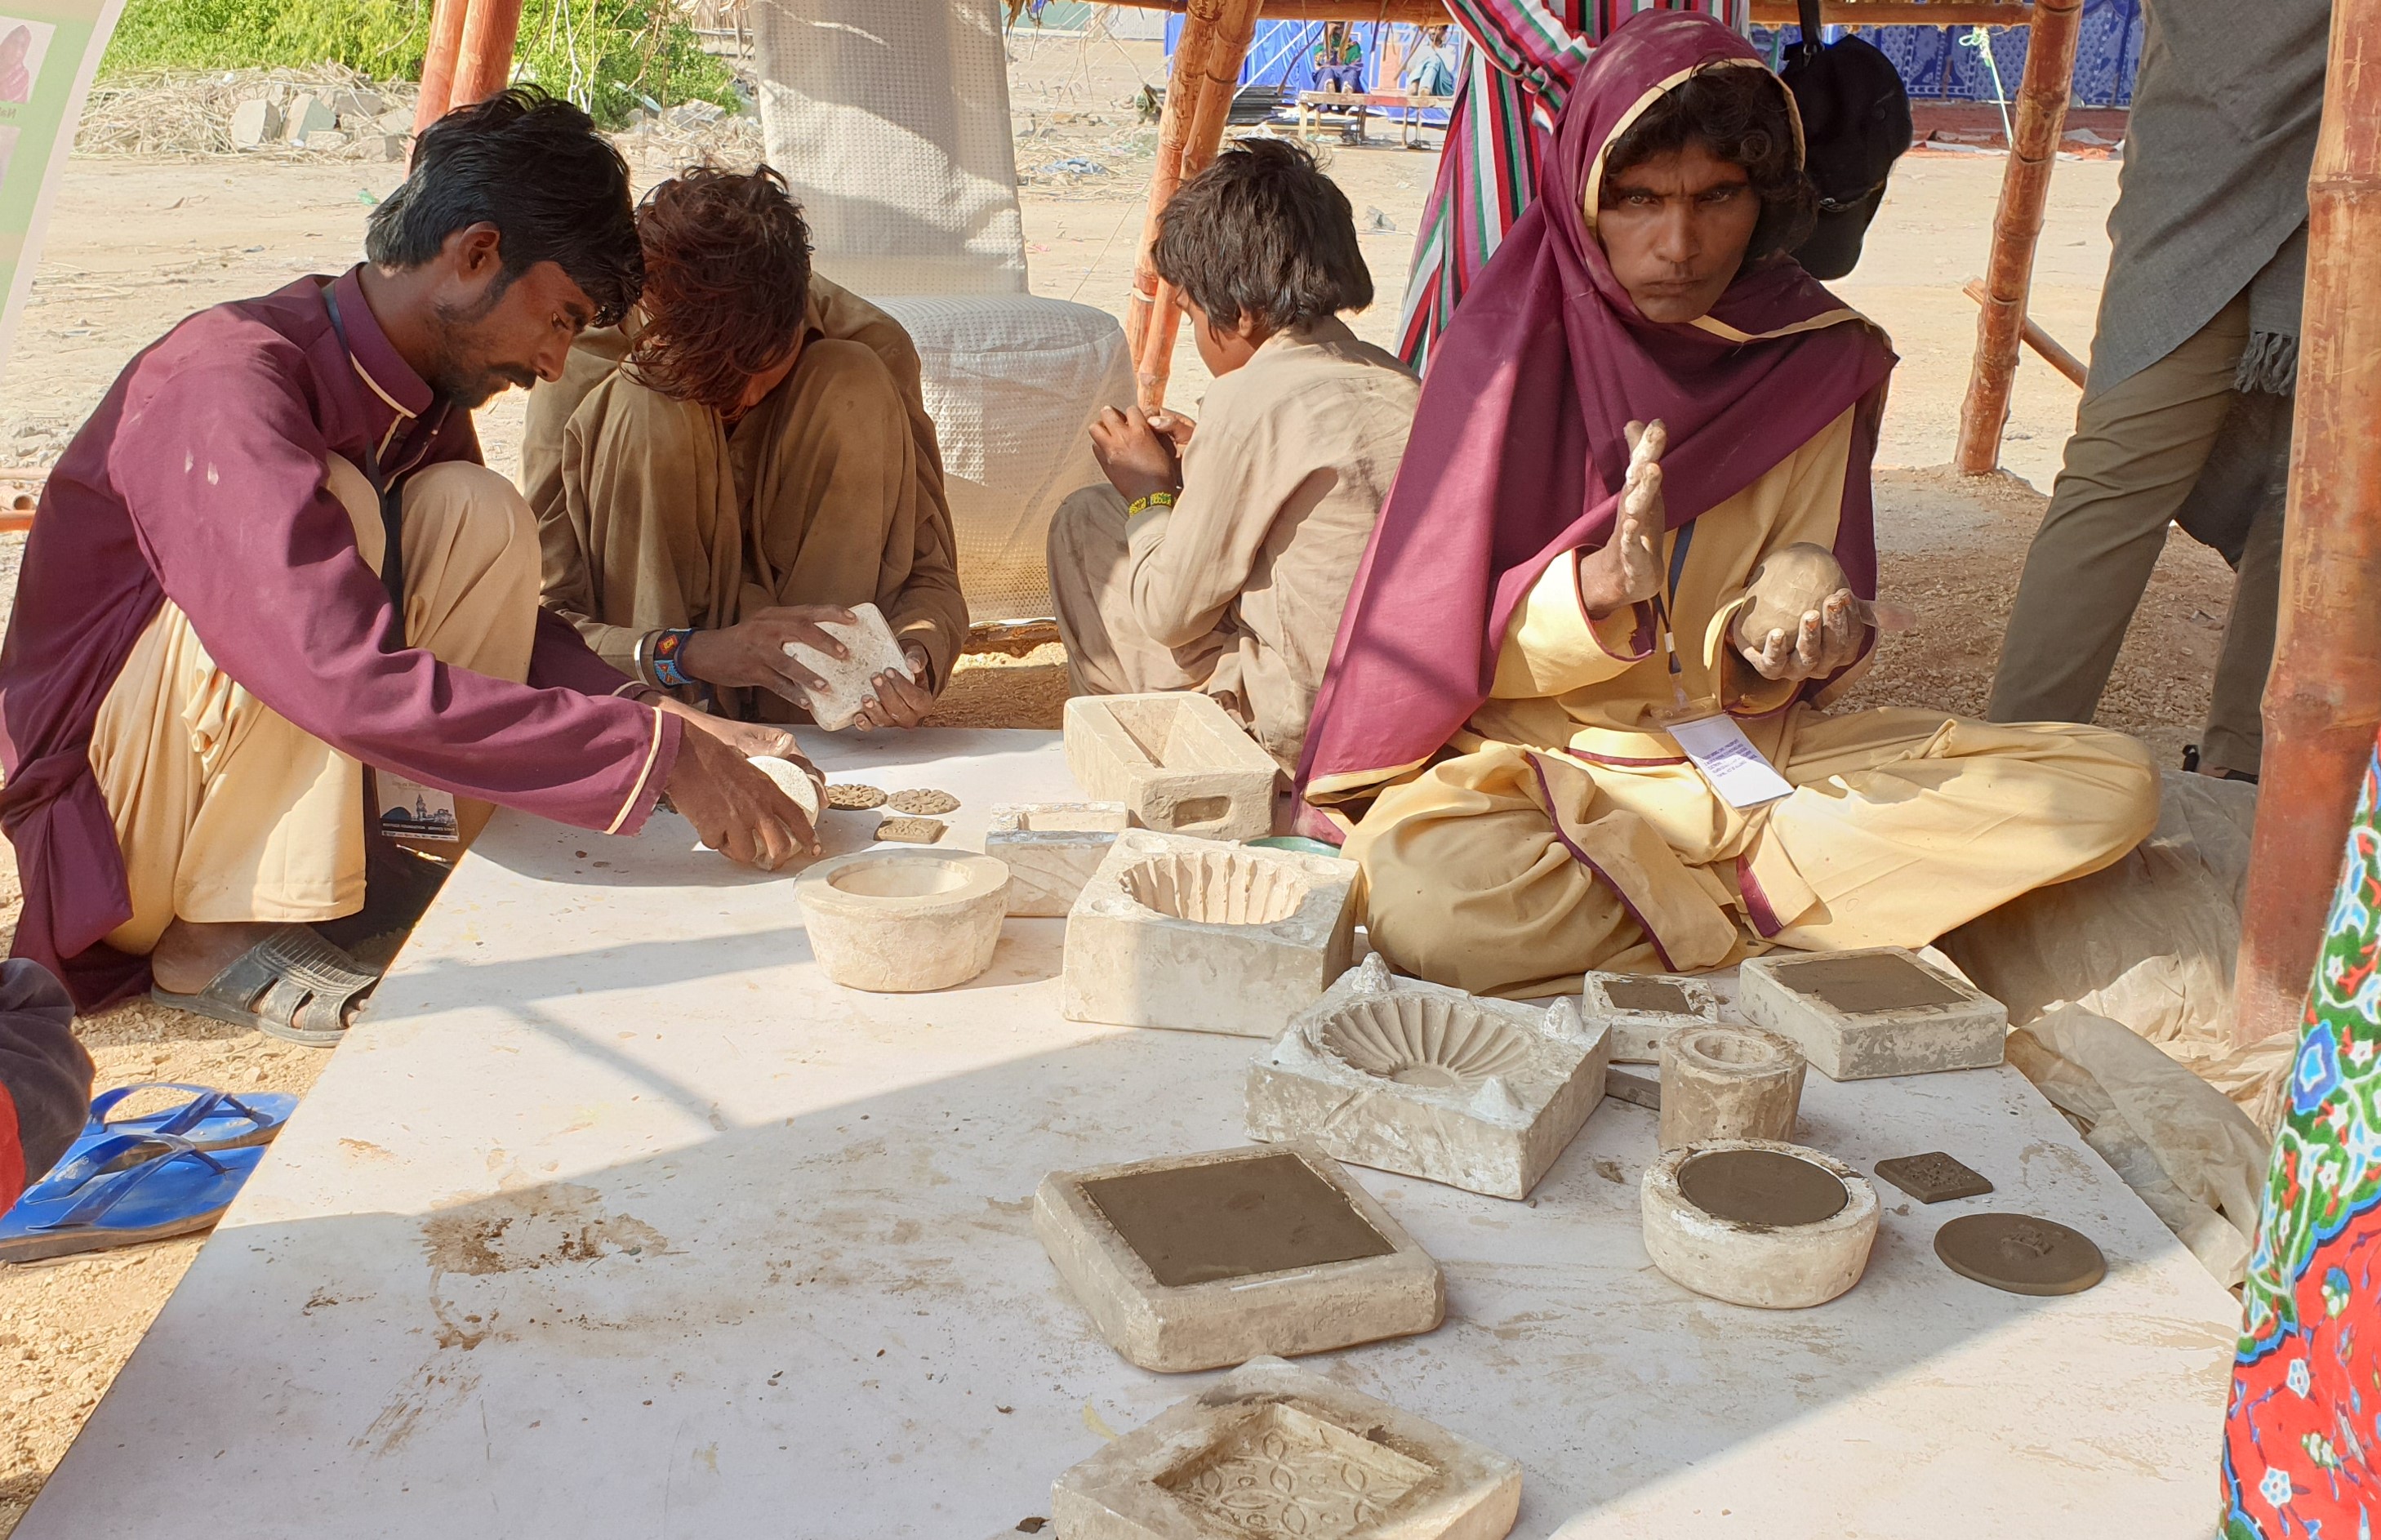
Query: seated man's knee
(474,519)
(1440,892)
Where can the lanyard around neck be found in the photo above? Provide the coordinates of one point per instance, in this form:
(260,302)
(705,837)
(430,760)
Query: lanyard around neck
(390,490)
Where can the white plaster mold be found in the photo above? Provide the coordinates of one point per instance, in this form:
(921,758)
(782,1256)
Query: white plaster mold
(1768,1265)
(852,679)
(1177,932)
(1644,1008)
(1271,1450)
(1878,1012)
(904,920)
(1175,759)
(1347,1272)
(1428,1082)
(1052,850)
(1723,1081)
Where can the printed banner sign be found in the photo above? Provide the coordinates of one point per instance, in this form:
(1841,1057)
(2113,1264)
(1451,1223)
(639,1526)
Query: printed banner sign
(49,50)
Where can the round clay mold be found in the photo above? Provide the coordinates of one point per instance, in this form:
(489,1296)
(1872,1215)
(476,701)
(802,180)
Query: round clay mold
(904,920)
(1728,1081)
(2020,1255)
(1423,1040)
(1223,887)
(1793,1228)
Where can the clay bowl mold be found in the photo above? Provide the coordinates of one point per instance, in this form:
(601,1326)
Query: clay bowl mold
(1222,886)
(1756,1222)
(1425,1040)
(1723,1080)
(900,922)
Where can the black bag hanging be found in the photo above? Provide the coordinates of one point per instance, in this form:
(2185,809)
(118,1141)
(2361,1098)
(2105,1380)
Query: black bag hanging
(1855,125)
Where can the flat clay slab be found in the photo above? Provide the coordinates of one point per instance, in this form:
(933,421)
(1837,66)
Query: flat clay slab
(1761,1187)
(1203,1261)
(2020,1255)
(1865,984)
(1875,1013)
(1233,1219)
(1934,1178)
(1644,1008)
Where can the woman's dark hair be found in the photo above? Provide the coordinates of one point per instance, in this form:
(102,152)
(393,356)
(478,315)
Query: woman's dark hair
(728,279)
(1741,113)
(1263,232)
(534,167)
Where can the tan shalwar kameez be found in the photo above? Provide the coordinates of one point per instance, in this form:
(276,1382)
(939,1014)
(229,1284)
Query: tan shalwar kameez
(1570,833)
(1236,590)
(653,515)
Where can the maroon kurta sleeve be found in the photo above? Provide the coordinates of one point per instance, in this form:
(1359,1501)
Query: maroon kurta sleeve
(220,464)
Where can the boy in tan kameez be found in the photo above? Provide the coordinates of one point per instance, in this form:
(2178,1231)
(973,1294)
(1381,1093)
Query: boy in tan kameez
(747,455)
(1220,561)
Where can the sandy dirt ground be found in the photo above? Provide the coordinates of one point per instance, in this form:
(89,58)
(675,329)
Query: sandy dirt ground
(137,245)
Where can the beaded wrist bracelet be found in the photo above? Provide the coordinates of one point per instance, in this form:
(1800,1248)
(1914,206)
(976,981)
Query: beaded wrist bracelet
(1140,505)
(667,645)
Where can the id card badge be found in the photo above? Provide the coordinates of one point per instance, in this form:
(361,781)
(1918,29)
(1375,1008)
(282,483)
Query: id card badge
(1739,772)
(409,810)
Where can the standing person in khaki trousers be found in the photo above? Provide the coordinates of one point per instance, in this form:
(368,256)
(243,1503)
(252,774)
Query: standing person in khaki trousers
(2186,415)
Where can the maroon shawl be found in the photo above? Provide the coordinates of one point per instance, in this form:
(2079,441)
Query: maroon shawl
(1517,452)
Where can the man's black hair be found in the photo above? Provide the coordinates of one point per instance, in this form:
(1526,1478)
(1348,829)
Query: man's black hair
(1742,114)
(1264,232)
(532,166)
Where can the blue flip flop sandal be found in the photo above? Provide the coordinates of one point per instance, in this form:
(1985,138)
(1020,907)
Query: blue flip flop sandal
(122,1191)
(211,1120)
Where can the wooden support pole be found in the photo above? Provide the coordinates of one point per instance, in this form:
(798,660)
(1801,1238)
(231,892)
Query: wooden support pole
(1198,104)
(2039,340)
(483,62)
(438,63)
(2017,226)
(2322,699)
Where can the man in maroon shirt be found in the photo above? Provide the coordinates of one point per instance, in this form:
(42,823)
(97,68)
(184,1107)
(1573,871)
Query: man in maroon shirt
(205,652)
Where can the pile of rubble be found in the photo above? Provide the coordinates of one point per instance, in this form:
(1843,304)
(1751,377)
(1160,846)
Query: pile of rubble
(325,112)
(362,119)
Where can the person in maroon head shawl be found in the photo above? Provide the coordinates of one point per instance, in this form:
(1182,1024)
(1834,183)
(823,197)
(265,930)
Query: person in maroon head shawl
(213,637)
(1641,403)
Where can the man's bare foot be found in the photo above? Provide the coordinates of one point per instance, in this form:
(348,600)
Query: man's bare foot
(189,954)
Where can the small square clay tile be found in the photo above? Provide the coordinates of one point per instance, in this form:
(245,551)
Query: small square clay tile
(1934,1178)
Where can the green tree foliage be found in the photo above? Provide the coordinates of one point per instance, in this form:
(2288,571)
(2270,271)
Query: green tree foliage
(608,56)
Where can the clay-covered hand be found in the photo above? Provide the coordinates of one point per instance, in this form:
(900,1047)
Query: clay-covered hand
(897,702)
(1628,571)
(752,651)
(1174,425)
(1827,639)
(1137,458)
(733,806)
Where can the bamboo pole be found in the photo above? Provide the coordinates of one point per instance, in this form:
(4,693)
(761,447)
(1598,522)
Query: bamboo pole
(2017,226)
(1165,175)
(484,61)
(1205,98)
(2039,340)
(438,63)
(2322,699)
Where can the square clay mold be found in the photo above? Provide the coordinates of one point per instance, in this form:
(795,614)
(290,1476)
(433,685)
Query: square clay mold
(1878,1012)
(1205,1260)
(1644,1008)
(1201,936)
(1429,1082)
(874,650)
(1271,1450)
(1052,850)
(1175,759)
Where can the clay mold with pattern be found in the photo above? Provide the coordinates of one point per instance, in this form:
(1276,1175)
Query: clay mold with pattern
(1415,1078)
(1878,1012)
(1757,1222)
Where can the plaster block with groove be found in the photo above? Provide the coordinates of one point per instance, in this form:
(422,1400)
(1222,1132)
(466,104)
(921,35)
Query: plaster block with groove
(1203,1261)
(1644,1008)
(1175,759)
(1052,850)
(1866,1014)
(1429,1082)
(1177,932)
(1271,1450)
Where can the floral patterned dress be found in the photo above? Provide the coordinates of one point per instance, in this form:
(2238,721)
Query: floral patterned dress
(2304,1419)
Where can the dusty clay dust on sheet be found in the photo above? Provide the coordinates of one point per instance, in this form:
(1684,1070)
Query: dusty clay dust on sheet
(137,244)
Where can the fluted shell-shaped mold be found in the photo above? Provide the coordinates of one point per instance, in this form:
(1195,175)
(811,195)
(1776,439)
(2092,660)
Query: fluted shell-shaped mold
(1426,1040)
(1216,887)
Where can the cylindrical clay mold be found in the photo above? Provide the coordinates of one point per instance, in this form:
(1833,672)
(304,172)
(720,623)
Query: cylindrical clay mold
(1728,1081)
(1760,1223)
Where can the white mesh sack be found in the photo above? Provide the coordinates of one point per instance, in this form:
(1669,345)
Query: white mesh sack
(889,120)
(1013,385)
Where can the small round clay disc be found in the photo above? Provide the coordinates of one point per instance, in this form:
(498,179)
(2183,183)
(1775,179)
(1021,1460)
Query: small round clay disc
(2019,1254)
(1761,1187)
(925,802)
(851,796)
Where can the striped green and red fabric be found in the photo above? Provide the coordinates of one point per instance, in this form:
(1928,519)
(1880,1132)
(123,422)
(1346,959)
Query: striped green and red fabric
(1525,54)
